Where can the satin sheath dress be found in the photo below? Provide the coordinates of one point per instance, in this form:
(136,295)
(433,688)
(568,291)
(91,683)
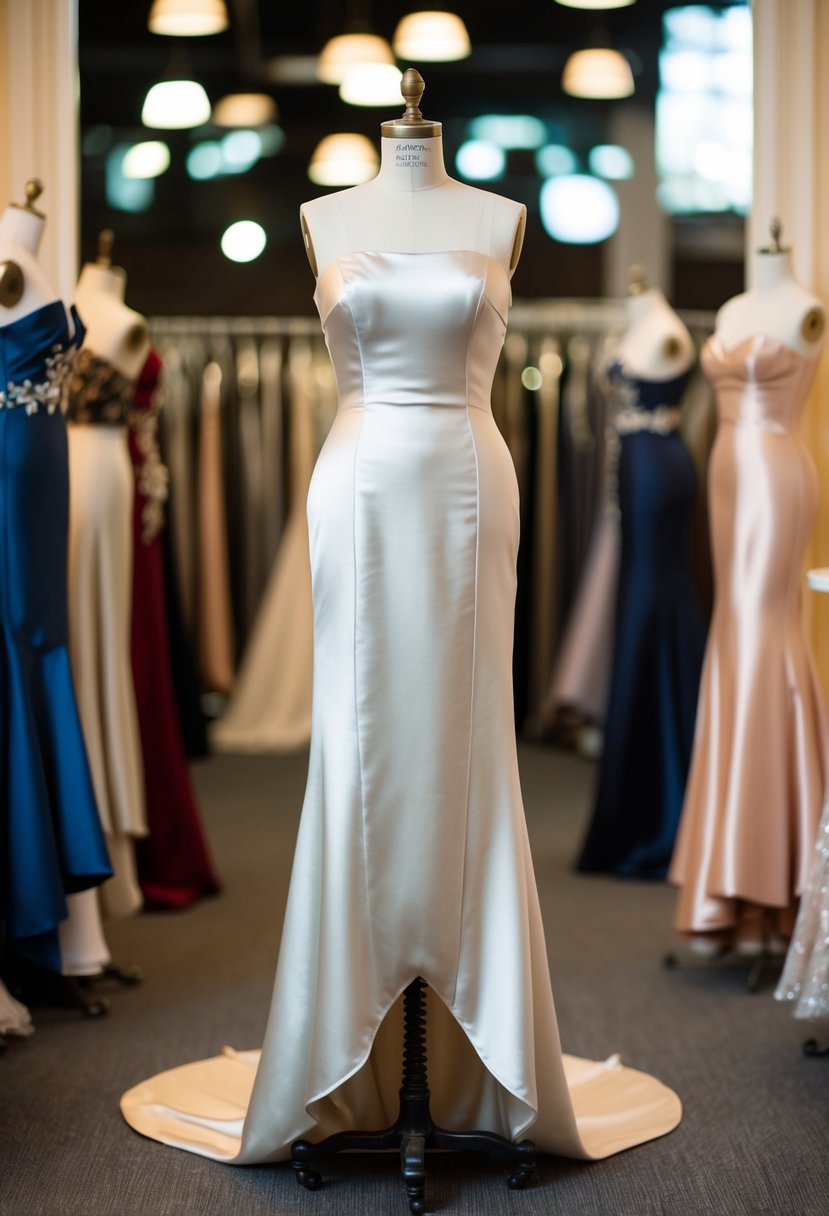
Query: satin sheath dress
(758,771)
(412,856)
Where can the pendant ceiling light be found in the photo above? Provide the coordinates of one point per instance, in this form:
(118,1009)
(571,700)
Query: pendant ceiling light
(346,52)
(244,110)
(187,18)
(372,84)
(175,105)
(598,72)
(344,159)
(433,36)
(596,4)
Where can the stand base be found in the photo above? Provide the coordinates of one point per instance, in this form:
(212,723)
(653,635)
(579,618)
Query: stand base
(412,1145)
(760,964)
(814,1051)
(413,1132)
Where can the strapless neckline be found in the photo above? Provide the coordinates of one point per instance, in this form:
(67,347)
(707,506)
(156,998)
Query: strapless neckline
(411,253)
(752,341)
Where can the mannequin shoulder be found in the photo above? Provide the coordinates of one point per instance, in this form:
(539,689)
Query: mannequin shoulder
(508,222)
(323,226)
(789,313)
(23,286)
(116,333)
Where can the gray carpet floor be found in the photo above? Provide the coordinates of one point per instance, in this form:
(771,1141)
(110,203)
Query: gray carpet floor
(754,1139)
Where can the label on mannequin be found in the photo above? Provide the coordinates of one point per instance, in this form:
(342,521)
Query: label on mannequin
(412,155)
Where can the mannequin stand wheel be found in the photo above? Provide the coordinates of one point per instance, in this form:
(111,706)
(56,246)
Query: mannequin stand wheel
(414,1132)
(814,1052)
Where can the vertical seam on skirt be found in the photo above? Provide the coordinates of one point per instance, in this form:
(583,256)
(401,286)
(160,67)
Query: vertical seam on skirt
(472,682)
(369,927)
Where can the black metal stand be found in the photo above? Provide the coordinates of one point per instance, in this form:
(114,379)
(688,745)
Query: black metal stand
(814,1051)
(36,985)
(414,1132)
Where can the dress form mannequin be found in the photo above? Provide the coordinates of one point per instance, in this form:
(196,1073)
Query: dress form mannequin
(762,501)
(776,305)
(412,205)
(113,331)
(100,562)
(656,345)
(26,292)
(23,285)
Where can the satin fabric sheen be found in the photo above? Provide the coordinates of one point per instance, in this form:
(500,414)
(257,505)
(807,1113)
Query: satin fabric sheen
(412,856)
(52,842)
(758,772)
(659,640)
(100,604)
(174,864)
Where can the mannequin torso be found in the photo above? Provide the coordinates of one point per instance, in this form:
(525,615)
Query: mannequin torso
(21,230)
(412,206)
(656,345)
(777,306)
(113,331)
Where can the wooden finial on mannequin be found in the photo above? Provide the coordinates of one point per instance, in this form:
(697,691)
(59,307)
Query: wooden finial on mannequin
(637,279)
(411,123)
(106,239)
(34,189)
(775,233)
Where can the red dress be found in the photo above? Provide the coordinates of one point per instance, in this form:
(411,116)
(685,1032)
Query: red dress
(174,864)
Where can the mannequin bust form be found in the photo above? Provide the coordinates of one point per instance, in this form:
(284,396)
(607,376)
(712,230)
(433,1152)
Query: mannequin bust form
(656,345)
(113,331)
(412,205)
(776,305)
(23,285)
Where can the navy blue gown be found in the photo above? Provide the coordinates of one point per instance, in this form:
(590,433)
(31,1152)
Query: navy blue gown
(51,839)
(659,638)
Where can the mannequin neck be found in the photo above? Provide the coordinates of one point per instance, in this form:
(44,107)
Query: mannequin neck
(23,227)
(411,164)
(772,270)
(102,280)
(646,305)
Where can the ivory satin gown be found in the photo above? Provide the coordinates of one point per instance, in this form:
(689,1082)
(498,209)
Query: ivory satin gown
(758,771)
(412,856)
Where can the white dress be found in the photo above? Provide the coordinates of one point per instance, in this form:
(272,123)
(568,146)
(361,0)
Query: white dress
(412,856)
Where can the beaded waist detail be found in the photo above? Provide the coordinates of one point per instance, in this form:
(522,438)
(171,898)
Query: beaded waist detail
(659,421)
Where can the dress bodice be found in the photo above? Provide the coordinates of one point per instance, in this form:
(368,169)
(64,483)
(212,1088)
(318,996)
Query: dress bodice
(638,404)
(761,381)
(36,354)
(414,328)
(99,394)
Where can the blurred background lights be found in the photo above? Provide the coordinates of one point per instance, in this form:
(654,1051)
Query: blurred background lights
(554,159)
(344,159)
(126,193)
(704,112)
(205,161)
(243,241)
(244,110)
(342,54)
(148,159)
(509,130)
(596,4)
(611,161)
(175,104)
(372,84)
(597,72)
(432,36)
(187,18)
(240,151)
(579,210)
(532,379)
(479,160)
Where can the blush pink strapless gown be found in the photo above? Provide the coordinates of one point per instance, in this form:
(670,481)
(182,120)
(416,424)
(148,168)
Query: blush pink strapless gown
(758,772)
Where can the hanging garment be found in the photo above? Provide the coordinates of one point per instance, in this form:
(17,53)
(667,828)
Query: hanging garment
(758,774)
(100,599)
(805,978)
(270,709)
(214,614)
(659,637)
(412,857)
(51,834)
(174,866)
